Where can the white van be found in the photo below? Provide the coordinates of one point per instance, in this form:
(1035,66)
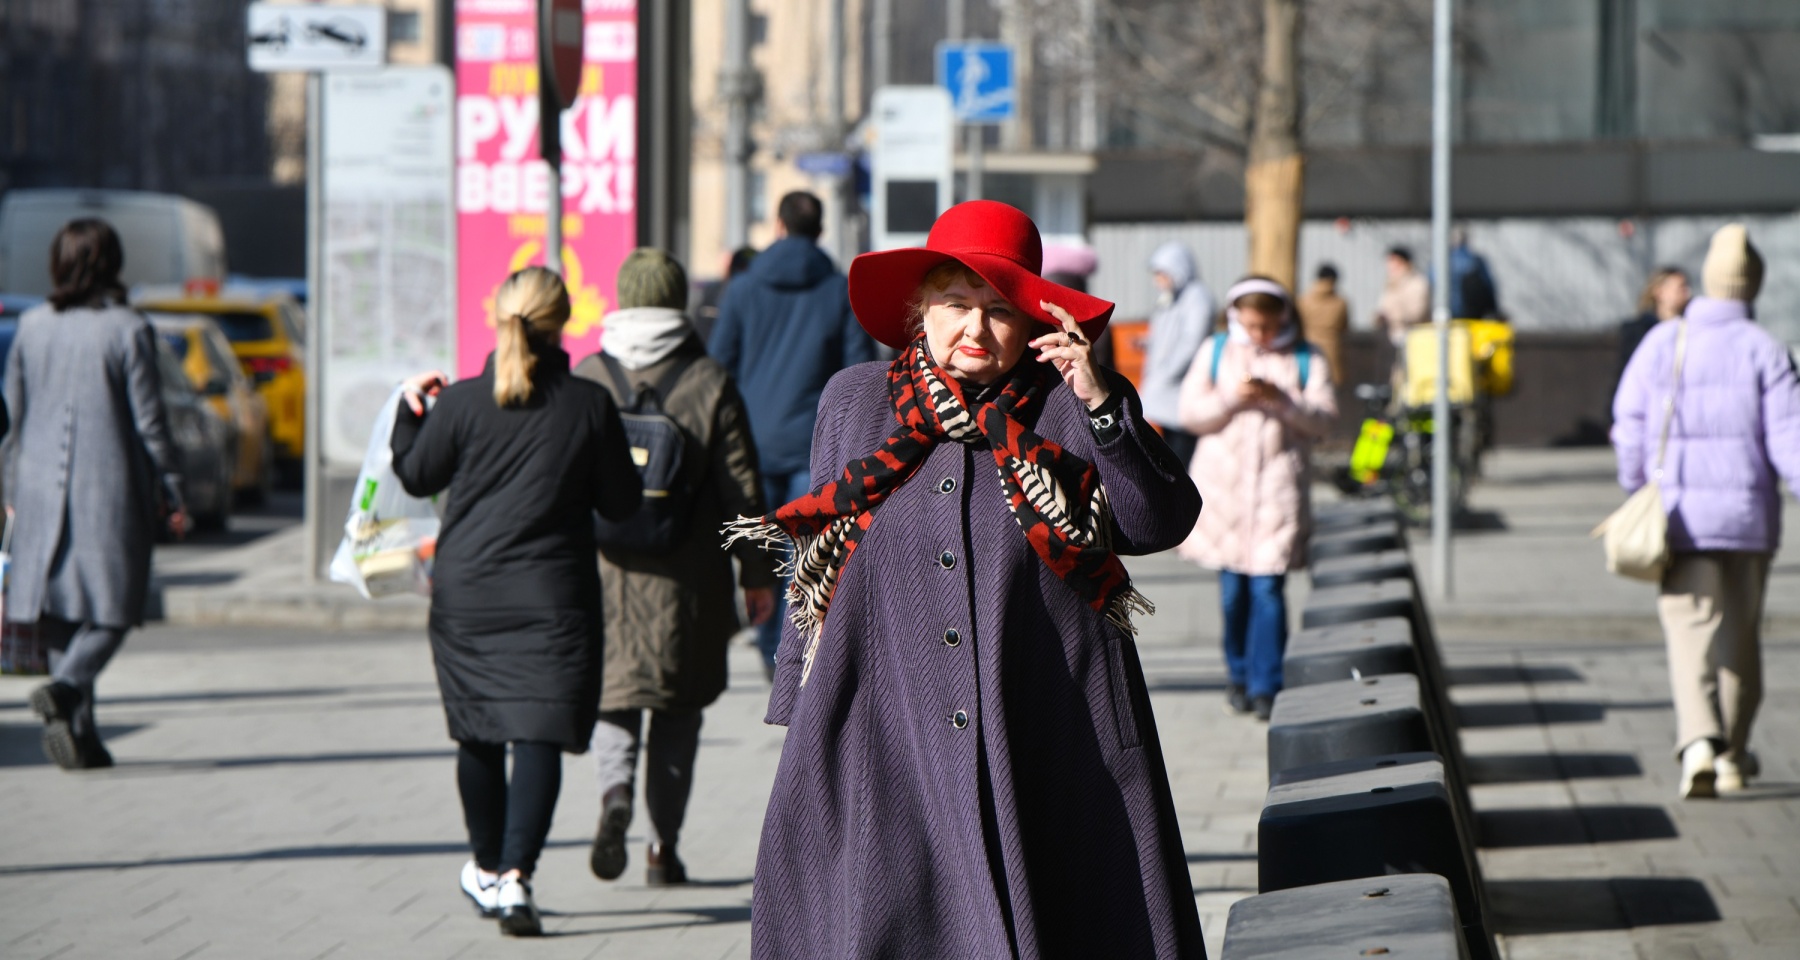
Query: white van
(167,239)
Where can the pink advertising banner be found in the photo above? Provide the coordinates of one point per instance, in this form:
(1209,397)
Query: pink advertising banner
(502,184)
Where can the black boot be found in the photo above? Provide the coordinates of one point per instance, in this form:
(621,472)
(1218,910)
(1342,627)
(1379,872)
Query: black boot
(56,704)
(662,868)
(608,858)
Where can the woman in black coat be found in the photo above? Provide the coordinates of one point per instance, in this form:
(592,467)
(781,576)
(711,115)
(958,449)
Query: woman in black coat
(528,453)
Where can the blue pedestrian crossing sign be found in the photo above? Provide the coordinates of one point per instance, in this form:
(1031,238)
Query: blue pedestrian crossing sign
(980,77)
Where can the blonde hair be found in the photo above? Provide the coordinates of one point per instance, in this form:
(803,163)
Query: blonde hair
(530,307)
(937,280)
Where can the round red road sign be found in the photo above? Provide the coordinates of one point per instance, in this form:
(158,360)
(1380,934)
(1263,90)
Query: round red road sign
(560,29)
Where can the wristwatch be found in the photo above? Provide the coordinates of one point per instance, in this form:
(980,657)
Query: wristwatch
(1106,420)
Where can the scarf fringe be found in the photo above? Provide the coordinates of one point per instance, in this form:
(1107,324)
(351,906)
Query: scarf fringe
(1119,611)
(769,536)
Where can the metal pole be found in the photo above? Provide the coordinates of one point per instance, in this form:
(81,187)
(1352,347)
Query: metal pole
(735,88)
(836,220)
(553,214)
(313,476)
(1087,125)
(882,56)
(977,135)
(550,141)
(1440,295)
(956,29)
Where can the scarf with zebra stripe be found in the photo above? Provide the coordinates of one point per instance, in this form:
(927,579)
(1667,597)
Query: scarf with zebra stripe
(1056,496)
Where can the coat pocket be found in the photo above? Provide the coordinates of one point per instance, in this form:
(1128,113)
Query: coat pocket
(1124,704)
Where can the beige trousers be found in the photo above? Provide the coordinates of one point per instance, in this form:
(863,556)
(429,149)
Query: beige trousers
(1711,608)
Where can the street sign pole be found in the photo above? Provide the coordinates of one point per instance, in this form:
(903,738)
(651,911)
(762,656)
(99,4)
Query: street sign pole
(977,143)
(312,39)
(560,31)
(1440,296)
(312,465)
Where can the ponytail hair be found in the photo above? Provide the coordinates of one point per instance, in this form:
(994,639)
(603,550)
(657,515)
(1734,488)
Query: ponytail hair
(530,308)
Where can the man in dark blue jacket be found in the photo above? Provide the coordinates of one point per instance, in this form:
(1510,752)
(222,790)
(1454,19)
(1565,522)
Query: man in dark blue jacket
(784,328)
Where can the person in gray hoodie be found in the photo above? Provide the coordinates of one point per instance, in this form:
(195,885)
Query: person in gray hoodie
(1178,325)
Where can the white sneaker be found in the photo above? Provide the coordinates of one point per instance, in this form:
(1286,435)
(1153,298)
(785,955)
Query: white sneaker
(518,913)
(484,892)
(1698,774)
(1731,775)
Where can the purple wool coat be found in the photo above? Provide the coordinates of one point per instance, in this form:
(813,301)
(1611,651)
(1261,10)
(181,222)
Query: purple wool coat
(972,769)
(1736,426)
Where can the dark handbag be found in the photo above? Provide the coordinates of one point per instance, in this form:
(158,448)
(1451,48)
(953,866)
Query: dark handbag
(22,650)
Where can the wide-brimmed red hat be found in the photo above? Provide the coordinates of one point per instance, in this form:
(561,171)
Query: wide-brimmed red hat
(997,241)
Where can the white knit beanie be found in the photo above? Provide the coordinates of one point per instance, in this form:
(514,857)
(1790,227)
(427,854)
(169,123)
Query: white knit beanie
(1733,269)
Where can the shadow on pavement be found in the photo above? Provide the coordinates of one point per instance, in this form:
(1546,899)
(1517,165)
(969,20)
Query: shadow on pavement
(1535,767)
(341,851)
(1613,903)
(22,745)
(1193,857)
(230,763)
(699,915)
(1565,826)
(208,696)
(1529,713)
(1511,673)
(1764,790)
(1184,685)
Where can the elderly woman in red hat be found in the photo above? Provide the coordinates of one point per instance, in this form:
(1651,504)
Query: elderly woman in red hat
(971,767)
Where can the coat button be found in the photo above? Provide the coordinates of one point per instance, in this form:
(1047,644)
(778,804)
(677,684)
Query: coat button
(948,485)
(947,560)
(952,637)
(959,719)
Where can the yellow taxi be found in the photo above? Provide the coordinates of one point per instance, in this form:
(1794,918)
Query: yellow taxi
(217,376)
(266,332)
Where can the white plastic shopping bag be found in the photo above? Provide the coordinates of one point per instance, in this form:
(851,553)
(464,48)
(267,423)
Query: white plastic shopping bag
(390,536)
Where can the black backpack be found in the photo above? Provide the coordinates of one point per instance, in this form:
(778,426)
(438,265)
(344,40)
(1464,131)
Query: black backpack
(661,449)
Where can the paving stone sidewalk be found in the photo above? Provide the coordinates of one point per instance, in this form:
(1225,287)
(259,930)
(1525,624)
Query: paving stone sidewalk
(290,793)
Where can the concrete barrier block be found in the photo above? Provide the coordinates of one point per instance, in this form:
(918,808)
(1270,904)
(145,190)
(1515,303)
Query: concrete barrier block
(1347,719)
(1341,514)
(1362,568)
(1409,915)
(1328,606)
(1367,824)
(1368,538)
(1341,652)
(1335,768)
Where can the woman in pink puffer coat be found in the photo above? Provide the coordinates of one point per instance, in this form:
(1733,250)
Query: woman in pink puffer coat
(1257,421)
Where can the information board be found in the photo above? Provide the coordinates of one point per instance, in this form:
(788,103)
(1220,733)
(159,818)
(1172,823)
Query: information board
(389,245)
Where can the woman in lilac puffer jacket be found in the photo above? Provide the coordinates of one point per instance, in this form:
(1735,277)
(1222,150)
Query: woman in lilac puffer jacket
(1734,432)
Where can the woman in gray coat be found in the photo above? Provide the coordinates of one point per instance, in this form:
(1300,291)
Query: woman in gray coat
(92,474)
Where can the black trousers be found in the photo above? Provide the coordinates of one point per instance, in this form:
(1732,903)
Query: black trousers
(508,821)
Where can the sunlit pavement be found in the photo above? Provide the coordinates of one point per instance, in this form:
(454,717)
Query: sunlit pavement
(290,793)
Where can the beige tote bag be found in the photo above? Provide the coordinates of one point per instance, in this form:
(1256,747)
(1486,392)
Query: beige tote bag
(1636,536)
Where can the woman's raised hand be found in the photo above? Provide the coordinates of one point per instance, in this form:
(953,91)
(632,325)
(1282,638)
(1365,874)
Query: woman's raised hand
(421,385)
(1073,356)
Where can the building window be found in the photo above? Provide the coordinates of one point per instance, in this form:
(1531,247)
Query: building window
(759,199)
(403,26)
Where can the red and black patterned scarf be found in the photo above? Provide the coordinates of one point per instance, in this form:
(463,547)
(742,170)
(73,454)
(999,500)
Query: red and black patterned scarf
(1055,495)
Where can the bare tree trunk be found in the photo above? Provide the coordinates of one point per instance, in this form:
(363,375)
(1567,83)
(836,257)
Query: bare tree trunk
(1274,180)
